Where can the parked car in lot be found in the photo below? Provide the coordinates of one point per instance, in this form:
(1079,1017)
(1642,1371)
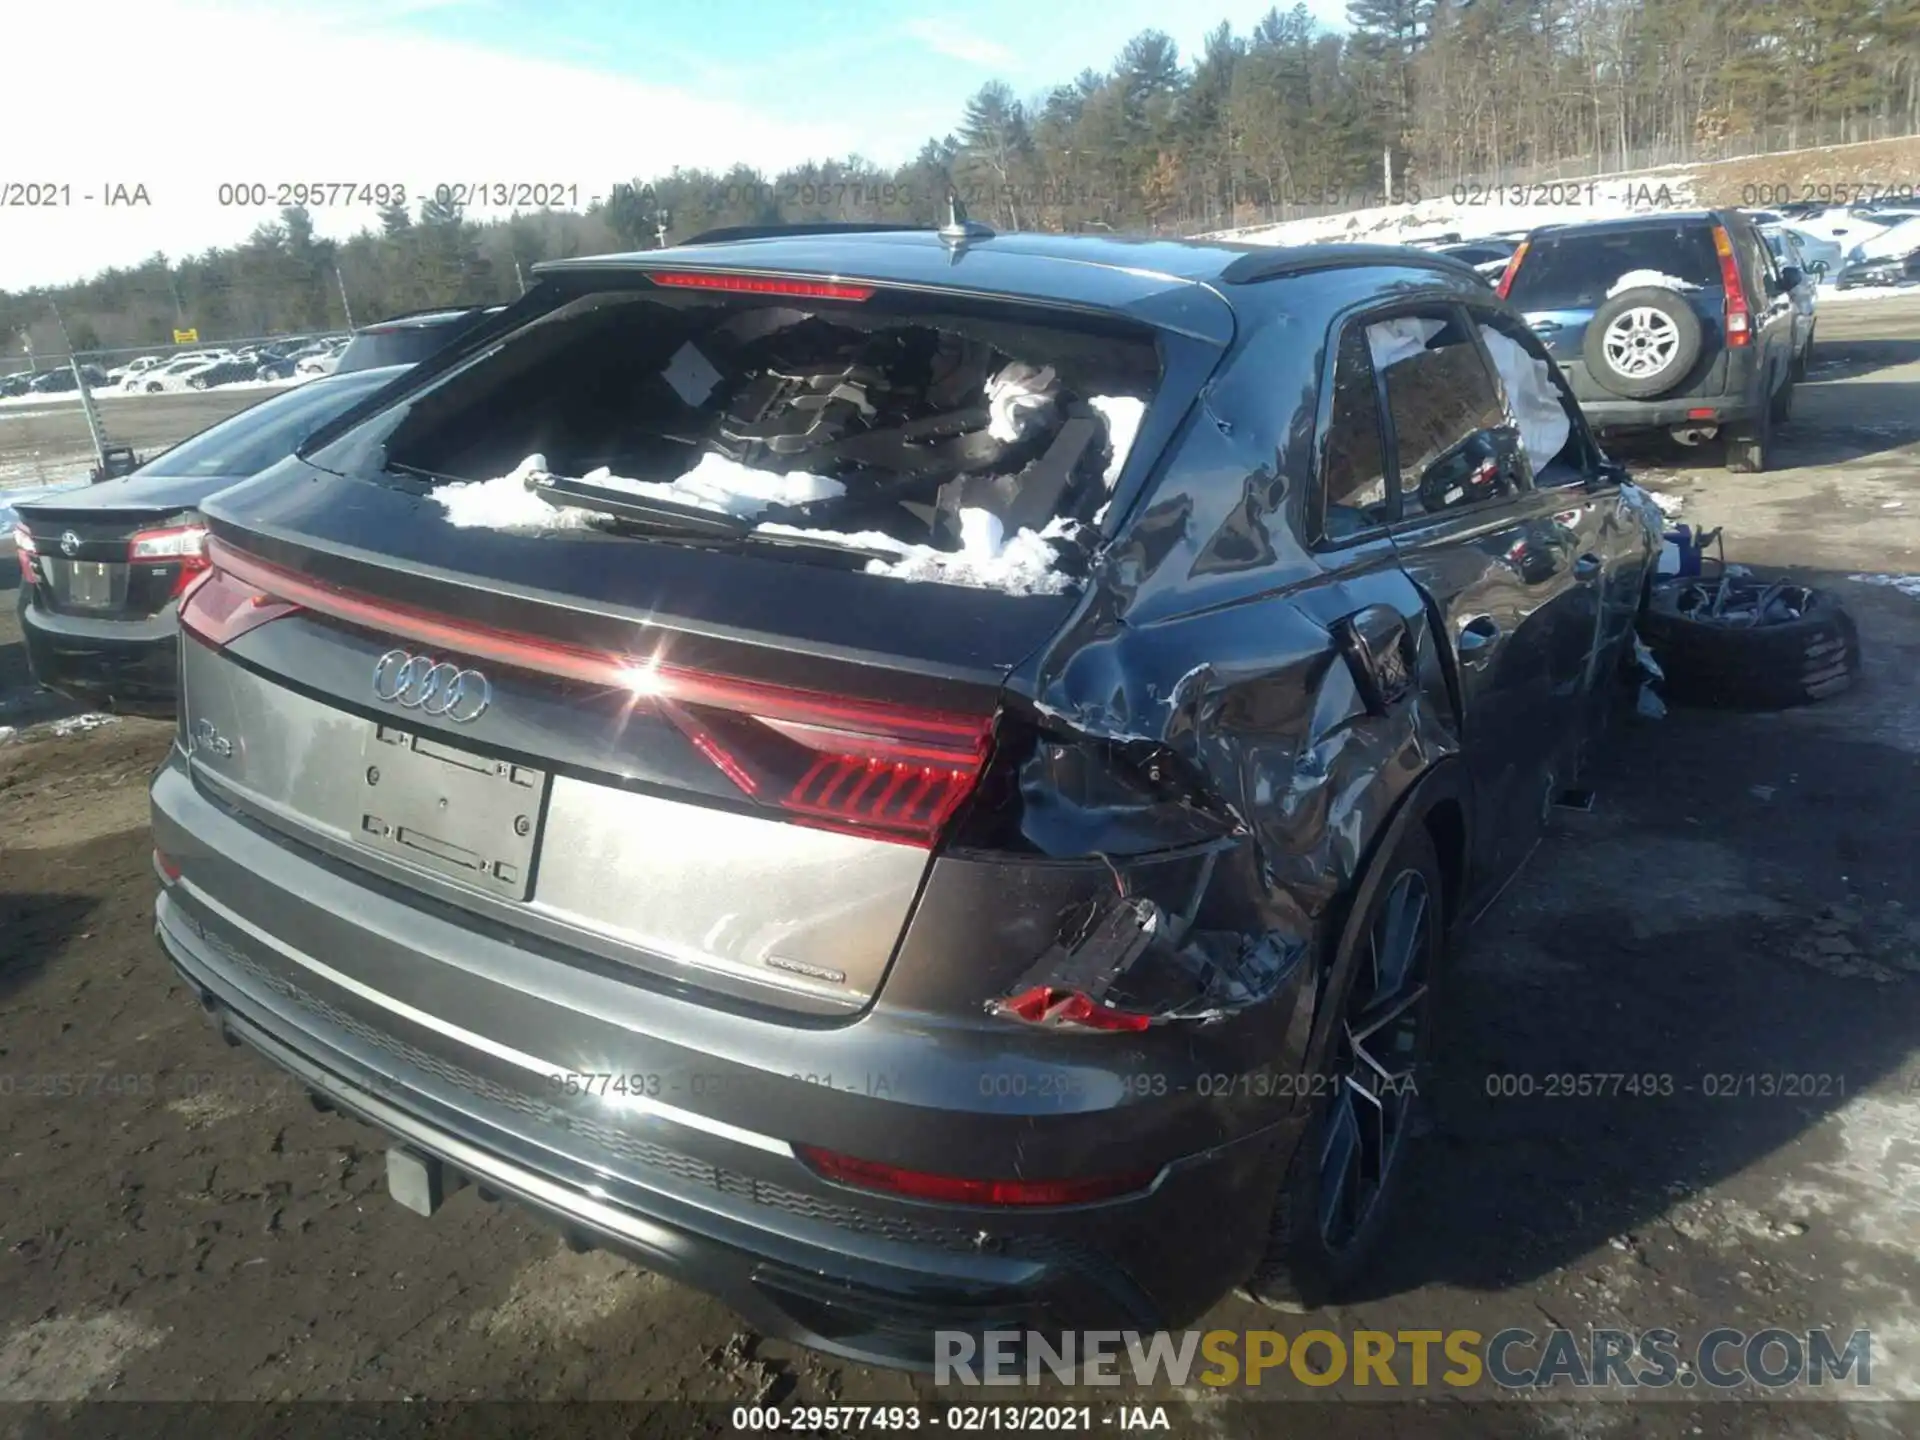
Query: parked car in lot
(1820,257)
(1196,787)
(1488,256)
(102,567)
(15,384)
(1681,322)
(223,372)
(175,374)
(1885,271)
(410,338)
(1791,260)
(322,361)
(61,381)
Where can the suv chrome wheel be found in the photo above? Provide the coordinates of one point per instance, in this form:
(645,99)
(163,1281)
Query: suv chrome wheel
(1641,342)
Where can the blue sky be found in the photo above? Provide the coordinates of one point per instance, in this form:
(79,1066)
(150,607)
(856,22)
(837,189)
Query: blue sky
(892,73)
(569,92)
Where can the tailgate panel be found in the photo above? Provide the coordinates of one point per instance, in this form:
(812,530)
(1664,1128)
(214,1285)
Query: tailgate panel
(682,888)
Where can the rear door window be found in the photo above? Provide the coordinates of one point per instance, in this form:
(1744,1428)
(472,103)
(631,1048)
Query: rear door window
(1453,444)
(1353,474)
(1574,270)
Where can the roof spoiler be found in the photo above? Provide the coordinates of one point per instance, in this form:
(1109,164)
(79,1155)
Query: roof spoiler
(726,233)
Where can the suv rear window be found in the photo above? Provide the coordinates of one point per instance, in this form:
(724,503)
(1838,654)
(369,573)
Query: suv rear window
(898,424)
(1574,269)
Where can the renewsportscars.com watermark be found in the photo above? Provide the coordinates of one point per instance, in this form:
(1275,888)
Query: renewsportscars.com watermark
(1382,1360)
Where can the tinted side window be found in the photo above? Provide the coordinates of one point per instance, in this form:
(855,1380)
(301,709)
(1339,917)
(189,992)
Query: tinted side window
(1353,469)
(1575,270)
(1444,409)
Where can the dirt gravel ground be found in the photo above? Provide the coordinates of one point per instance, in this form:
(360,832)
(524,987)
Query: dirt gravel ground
(177,1224)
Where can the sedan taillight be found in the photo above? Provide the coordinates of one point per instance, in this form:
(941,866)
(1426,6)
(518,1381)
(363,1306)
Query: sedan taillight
(24,548)
(185,544)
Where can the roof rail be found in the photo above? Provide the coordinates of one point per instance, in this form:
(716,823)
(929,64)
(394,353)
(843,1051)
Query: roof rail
(1337,255)
(726,233)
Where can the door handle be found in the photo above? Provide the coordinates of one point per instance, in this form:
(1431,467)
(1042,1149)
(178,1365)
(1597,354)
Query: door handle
(1587,566)
(1477,636)
(1545,327)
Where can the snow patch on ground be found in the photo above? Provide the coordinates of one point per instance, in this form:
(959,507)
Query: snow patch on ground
(81,724)
(1612,197)
(116,392)
(1636,279)
(1123,414)
(1908,585)
(1668,505)
(67,1358)
(1832,296)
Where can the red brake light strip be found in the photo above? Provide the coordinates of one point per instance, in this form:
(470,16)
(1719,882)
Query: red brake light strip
(760,285)
(890,772)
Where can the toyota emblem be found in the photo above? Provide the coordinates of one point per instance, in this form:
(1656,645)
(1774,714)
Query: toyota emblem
(69,544)
(418,682)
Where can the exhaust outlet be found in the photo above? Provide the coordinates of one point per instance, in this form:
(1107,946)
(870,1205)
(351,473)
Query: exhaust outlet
(1694,434)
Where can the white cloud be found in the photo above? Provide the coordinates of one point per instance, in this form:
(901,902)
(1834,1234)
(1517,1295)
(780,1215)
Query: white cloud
(957,42)
(214,92)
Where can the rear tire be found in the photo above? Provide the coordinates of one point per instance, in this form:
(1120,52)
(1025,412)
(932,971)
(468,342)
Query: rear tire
(1328,1222)
(1782,406)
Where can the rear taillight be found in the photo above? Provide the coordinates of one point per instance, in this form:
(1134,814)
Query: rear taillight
(1739,317)
(1045,1005)
(184,544)
(24,550)
(760,285)
(1513,268)
(874,768)
(960,1190)
(219,607)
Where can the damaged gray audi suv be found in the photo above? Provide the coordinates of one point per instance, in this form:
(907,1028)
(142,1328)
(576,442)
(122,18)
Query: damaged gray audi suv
(914,779)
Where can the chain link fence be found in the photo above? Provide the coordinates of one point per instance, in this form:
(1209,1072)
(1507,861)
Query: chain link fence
(69,416)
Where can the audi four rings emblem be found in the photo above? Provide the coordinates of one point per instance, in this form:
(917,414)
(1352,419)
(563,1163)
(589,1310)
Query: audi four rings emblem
(418,682)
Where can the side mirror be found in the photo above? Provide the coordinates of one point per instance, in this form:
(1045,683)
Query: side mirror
(1791,278)
(1817,269)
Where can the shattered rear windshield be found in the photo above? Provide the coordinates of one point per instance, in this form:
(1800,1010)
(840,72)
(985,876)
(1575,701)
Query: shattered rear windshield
(938,439)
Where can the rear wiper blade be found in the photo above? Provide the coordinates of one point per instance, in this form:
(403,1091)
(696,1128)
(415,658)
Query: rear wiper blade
(822,544)
(640,510)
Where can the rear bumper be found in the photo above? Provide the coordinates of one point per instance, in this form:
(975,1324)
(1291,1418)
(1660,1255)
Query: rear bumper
(1618,416)
(125,665)
(723,1205)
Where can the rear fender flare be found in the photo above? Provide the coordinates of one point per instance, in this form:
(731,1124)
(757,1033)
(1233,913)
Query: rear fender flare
(1444,783)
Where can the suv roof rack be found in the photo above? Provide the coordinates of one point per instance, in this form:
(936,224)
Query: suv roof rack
(1338,255)
(725,233)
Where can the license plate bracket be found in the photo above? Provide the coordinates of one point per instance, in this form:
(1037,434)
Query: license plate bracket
(450,811)
(89,583)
